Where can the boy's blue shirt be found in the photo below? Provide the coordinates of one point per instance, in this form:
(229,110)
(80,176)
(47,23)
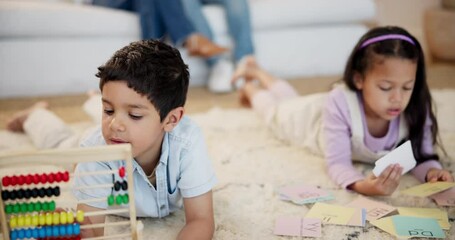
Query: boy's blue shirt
(184,170)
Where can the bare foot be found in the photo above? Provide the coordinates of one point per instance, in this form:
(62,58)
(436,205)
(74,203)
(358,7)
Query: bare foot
(16,122)
(247,92)
(245,69)
(198,45)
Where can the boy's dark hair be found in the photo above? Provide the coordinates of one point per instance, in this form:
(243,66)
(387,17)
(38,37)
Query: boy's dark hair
(420,105)
(151,68)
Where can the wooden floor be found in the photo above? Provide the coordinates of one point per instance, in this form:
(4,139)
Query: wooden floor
(200,99)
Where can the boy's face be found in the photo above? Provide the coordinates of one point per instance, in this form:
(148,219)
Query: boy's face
(129,117)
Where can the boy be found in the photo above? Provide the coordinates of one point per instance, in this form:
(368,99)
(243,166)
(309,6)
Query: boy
(143,88)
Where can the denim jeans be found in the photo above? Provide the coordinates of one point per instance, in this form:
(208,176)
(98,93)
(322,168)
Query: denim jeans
(157,17)
(238,20)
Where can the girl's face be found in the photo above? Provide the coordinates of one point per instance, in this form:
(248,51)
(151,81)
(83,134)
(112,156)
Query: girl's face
(131,118)
(387,87)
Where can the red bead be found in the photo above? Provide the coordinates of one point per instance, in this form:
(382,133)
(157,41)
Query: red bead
(21,180)
(51,177)
(6,181)
(28,179)
(14,180)
(66,176)
(58,177)
(36,178)
(43,178)
(121,171)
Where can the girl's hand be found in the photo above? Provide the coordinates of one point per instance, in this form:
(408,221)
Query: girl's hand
(434,175)
(383,185)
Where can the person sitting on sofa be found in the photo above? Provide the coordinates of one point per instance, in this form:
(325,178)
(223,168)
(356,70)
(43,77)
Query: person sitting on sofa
(239,24)
(158,17)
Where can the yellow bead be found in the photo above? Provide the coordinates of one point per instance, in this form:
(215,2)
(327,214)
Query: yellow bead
(63,218)
(28,220)
(35,220)
(80,216)
(70,216)
(42,219)
(48,219)
(56,218)
(13,222)
(20,221)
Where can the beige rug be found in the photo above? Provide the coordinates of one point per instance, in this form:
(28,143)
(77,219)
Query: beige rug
(252,165)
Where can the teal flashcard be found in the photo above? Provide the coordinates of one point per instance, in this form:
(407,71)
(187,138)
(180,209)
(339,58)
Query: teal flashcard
(417,227)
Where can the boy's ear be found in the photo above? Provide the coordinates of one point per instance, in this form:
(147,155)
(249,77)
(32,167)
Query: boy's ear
(173,118)
(358,81)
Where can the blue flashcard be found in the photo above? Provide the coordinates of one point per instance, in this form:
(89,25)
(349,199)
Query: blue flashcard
(406,226)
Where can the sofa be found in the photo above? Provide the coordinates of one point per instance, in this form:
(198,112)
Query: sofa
(53,47)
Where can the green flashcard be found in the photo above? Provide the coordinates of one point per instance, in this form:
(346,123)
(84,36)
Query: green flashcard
(406,226)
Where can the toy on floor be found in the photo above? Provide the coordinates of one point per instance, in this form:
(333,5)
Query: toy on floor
(29,204)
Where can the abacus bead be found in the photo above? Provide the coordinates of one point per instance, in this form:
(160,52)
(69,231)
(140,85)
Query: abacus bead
(28,220)
(23,207)
(35,233)
(124,185)
(19,193)
(21,233)
(70,217)
(27,193)
(80,216)
(34,192)
(41,192)
(121,172)
(57,191)
(12,195)
(51,177)
(42,219)
(21,180)
(28,233)
(66,176)
(13,235)
(48,218)
(55,232)
(5,195)
(58,177)
(14,180)
(48,231)
(63,218)
(56,218)
(110,200)
(30,207)
(35,220)
(62,230)
(28,179)
(13,222)
(118,200)
(16,208)
(49,191)
(52,205)
(76,229)
(117,186)
(8,208)
(126,199)
(69,229)
(43,178)
(6,181)
(42,232)
(37,206)
(45,206)
(36,178)
(20,221)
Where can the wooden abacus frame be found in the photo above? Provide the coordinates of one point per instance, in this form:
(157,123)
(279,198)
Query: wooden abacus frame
(58,157)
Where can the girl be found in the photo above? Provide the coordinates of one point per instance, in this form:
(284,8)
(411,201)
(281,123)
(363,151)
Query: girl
(384,101)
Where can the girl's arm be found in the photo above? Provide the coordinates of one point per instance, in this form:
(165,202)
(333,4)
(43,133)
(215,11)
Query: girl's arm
(200,222)
(91,232)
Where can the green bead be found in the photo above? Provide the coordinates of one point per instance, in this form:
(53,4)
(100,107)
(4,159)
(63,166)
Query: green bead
(52,206)
(30,207)
(110,200)
(118,199)
(45,206)
(126,199)
(16,208)
(23,207)
(37,206)
(8,208)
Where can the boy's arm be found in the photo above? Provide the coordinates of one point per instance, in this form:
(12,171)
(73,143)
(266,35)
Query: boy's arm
(200,222)
(91,232)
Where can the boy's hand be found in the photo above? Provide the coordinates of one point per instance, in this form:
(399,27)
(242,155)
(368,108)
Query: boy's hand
(383,185)
(434,175)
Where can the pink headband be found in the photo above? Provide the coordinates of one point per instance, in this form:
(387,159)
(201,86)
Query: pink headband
(386,37)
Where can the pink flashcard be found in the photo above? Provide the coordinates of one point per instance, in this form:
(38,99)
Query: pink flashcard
(297,226)
(301,192)
(446,198)
(375,209)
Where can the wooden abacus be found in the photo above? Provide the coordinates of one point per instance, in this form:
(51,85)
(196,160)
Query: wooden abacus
(43,223)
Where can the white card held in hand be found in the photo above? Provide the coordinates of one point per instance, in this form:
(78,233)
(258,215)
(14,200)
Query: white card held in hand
(402,155)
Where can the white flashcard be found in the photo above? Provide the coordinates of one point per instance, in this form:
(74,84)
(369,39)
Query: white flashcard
(402,155)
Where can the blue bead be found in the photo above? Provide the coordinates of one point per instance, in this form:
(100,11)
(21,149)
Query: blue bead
(21,233)
(55,231)
(28,233)
(77,229)
(69,229)
(35,233)
(48,231)
(13,235)
(62,230)
(42,233)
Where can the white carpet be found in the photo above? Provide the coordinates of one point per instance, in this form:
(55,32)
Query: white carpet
(251,165)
